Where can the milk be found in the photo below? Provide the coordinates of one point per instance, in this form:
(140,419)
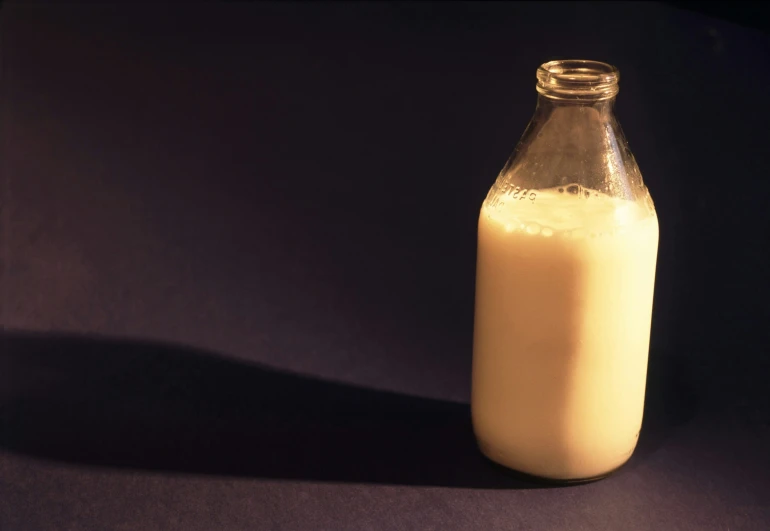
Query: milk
(562,328)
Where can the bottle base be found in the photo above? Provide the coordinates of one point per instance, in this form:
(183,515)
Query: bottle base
(543,480)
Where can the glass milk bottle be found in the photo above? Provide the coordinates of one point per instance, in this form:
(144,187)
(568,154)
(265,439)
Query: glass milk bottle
(567,247)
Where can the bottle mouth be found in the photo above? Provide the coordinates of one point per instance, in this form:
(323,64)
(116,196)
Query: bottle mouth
(577,79)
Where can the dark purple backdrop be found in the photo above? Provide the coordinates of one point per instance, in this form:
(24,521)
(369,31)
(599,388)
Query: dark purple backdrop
(238,246)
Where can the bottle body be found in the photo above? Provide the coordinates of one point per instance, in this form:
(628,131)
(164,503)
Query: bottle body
(564,291)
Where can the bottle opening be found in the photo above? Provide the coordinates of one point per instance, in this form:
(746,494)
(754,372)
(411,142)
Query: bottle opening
(577,79)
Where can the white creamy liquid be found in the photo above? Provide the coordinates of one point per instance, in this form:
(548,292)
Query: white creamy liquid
(562,329)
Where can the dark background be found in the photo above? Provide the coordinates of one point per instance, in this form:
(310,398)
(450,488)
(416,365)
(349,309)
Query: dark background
(238,251)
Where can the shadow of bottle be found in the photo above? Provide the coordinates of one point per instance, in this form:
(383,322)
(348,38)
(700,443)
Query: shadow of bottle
(139,405)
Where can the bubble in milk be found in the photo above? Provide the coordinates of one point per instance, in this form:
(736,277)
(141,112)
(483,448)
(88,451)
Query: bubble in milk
(547,232)
(573,189)
(533,228)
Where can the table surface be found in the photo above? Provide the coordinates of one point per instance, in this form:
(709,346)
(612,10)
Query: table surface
(238,246)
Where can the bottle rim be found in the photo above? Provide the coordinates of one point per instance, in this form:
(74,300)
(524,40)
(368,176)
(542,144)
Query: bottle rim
(578,79)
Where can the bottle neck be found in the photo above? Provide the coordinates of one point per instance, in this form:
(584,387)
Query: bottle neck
(547,105)
(574,137)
